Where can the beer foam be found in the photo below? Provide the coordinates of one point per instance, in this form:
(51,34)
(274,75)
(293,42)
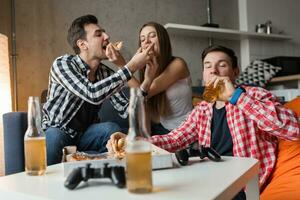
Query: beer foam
(34,138)
(138,146)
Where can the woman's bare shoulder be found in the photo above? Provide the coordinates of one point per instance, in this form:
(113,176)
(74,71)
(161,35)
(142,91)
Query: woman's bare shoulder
(179,65)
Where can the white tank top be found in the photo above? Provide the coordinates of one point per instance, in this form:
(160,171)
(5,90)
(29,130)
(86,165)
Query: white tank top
(180,97)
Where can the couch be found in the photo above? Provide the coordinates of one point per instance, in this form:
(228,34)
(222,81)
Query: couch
(15,125)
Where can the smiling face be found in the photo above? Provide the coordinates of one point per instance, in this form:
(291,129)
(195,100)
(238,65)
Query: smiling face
(148,35)
(96,41)
(218,63)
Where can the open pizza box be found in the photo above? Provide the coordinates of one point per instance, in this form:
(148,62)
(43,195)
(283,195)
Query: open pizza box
(160,159)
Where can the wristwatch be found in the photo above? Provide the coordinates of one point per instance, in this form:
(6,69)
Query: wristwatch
(236,95)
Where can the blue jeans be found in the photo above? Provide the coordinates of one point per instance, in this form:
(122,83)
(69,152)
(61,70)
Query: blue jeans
(93,139)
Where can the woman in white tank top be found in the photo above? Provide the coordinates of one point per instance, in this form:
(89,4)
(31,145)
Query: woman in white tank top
(165,81)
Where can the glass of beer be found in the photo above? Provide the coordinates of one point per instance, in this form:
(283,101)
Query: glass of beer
(139,167)
(212,93)
(35,155)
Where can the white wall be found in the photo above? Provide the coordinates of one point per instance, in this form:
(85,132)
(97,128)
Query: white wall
(42,28)
(285,17)
(224,13)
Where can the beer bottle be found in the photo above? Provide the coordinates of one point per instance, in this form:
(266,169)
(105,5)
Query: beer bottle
(138,149)
(34,140)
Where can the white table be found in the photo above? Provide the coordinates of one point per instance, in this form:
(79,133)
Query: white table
(199,180)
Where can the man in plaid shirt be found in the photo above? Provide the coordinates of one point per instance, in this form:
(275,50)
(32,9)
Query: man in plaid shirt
(78,84)
(243,122)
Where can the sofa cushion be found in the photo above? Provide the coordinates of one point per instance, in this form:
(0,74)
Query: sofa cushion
(285,180)
(258,73)
(108,113)
(14,127)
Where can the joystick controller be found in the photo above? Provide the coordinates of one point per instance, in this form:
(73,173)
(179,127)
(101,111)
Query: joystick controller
(115,173)
(194,151)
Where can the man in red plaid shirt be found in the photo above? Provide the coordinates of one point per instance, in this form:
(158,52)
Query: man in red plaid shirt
(244,121)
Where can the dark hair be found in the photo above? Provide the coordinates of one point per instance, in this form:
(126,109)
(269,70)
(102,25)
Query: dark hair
(76,30)
(158,104)
(229,52)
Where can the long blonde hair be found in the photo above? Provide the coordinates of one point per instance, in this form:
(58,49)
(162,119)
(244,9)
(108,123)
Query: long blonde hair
(158,105)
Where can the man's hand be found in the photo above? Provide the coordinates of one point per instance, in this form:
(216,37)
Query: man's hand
(228,87)
(114,55)
(139,60)
(116,145)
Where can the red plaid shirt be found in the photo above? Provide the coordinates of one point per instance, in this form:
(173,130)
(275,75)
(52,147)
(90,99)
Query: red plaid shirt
(254,122)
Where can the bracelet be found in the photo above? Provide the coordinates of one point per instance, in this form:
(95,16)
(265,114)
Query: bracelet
(144,93)
(236,95)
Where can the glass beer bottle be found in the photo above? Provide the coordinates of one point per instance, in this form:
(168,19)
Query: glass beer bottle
(211,93)
(34,140)
(138,150)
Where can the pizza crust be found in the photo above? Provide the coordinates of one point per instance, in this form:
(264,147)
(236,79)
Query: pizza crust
(118,45)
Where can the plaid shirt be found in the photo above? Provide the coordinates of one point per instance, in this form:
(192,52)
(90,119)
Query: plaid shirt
(69,87)
(254,122)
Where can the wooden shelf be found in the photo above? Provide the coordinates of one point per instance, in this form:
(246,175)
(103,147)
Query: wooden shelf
(286,78)
(220,33)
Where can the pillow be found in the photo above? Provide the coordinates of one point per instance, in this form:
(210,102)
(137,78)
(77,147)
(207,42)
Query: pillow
(258,73)
(285,179)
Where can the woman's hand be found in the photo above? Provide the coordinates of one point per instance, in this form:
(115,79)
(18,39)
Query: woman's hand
(140,59)
(114,55)
(151,68)
(150,73)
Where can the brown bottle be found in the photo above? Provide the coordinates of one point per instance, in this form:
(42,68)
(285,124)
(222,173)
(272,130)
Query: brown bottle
(138,150)
(34,140)
(211,94)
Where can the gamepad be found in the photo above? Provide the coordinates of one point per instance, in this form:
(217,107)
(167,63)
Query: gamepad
(194,151)
(115,173)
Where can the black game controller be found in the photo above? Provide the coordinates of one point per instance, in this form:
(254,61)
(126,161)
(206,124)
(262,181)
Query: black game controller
(194,151)
(116,174)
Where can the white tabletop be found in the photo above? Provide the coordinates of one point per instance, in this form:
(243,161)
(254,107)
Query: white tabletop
(199,180)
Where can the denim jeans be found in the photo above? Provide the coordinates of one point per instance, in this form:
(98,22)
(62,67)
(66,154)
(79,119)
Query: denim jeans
(93,139)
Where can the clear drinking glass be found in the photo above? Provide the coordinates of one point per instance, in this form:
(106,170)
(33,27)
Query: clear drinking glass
(212,93)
